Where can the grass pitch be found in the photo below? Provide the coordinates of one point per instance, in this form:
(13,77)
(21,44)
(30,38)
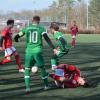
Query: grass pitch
(85,56)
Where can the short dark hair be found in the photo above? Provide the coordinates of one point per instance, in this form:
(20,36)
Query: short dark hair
(10,21)
(54,26)
(36,18)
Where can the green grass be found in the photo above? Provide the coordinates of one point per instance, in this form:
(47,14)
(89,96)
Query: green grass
(85,56)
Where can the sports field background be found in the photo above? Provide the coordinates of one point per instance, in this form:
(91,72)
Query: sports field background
(85,56)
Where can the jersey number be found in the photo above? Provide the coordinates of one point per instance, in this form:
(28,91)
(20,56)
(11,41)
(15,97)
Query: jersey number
(33,37)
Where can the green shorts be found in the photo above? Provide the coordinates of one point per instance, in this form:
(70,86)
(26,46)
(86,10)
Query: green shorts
(34,58)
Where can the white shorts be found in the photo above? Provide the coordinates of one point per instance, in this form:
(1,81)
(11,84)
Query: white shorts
(73,36)
(9,51)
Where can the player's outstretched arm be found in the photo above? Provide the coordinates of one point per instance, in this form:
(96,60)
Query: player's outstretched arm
(62,41)
(19,35)
(16,38)
(47,39)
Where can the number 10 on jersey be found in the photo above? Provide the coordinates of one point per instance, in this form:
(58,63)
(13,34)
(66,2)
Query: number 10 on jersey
(33,38)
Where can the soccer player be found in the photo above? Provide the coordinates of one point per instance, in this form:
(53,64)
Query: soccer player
(74,31)
(68,76)
(34,34)
(62,45)
(8,46)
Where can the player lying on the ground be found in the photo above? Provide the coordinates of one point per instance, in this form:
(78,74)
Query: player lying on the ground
(74,31)
(8,46)
(68,76)
(62,44)
(34,34)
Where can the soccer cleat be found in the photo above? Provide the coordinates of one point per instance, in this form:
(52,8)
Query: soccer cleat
(63,86)
(47,88)
(21,70)
(57,84)
(5,61)
(73,47)
(27,90)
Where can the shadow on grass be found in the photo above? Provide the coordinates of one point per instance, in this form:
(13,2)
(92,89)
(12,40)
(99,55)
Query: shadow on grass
(57,97)
(87,54)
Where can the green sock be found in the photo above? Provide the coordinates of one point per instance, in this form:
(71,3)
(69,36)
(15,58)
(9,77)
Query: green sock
(27,77)
(53,62)
(44,76)
(45,82)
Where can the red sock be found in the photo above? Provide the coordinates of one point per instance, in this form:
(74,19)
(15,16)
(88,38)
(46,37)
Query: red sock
(17,57)
(5,61)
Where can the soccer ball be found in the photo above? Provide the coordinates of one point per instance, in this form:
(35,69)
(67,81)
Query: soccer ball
(34,69)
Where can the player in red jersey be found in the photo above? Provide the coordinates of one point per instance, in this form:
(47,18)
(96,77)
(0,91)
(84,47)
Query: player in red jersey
(8,46)
(74,30)
(68,76)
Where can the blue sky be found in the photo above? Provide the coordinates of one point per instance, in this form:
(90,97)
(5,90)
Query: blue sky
(17,5)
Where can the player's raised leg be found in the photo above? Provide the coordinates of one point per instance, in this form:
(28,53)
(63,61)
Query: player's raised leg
(53,62)
(5,60)
(55,58)
(17,57)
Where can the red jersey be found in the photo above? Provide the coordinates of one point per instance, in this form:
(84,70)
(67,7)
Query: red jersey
(74,29)
(7,37)
(70,72)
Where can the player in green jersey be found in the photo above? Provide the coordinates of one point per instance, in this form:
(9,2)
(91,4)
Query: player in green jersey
(62,44)
(34,34)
